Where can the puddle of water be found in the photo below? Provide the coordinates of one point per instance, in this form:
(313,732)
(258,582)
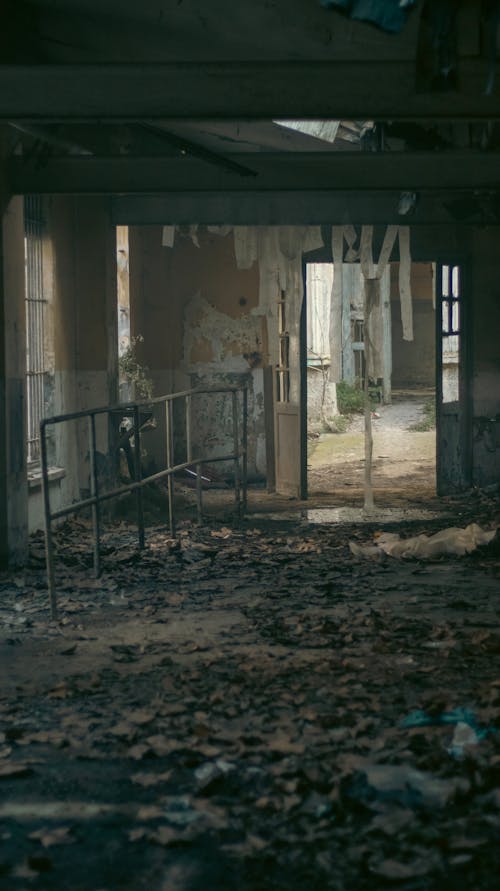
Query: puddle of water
(324,515)
(379,515)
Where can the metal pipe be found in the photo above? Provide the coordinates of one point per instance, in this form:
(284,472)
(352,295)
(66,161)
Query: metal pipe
(236,448)
(189,451)
(138,483)
(49,544)
(138,476)
(94,491)
(170,479)
(244,422)
(199,505)
(132,487)
(128,408)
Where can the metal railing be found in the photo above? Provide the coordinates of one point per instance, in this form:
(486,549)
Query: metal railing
(238,456)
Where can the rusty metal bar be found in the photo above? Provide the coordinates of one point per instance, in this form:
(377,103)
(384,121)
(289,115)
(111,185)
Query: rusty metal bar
(236,448)
(199,504)
(189,446)
(138,476)
(238,456)
(49,544)
(94,491)
(244,436)
(170,478)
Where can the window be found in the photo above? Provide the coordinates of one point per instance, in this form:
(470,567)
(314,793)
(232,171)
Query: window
(36,369)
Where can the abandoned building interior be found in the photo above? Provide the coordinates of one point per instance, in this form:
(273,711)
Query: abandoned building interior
(250,445)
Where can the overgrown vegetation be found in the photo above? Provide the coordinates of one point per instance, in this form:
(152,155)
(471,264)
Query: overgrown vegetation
(428,419)
(351,398)
(337,424)
(133,372)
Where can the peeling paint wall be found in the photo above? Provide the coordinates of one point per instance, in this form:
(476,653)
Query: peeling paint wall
(193,307)
(485,384)
(207,308)
(413,362)
(13,482)
(80,275)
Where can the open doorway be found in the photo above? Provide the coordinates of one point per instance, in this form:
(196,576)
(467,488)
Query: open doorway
(402,389)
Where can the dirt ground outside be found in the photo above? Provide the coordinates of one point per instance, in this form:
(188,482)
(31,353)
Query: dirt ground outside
(404,460)
(250,707)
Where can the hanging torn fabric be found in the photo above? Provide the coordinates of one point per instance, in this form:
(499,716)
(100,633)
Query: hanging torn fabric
(193,234)
(246,246)
(389,15)
(313,239)
(372,274)
(335,328)
(290,240)
(351,237)
(220,230)
(405,282)
(168,236)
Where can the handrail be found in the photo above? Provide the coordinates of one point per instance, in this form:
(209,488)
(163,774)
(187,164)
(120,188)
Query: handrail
(238,455)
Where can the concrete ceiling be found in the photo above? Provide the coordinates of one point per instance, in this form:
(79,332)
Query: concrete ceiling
(180,99)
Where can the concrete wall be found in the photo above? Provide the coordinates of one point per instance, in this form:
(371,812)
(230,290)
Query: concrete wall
(193,307)
(413,362)
(13,476)
(80,280)
(485,383)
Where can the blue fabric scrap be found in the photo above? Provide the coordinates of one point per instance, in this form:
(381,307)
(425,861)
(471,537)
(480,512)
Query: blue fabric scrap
(389,15)
(420,718)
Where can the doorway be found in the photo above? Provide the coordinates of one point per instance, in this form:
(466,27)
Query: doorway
(402,389)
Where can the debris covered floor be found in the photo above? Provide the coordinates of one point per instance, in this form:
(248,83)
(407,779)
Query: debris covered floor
(252,708)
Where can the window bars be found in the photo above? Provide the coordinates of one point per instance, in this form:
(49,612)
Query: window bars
(35,328)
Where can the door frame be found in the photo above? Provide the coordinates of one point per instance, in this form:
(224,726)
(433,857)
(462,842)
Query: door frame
(303,385)
(465,364)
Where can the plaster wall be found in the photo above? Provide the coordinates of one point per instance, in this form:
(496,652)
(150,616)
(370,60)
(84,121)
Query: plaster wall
(413,362)
(13,476)
(80,282)
(485,384)
(194,309)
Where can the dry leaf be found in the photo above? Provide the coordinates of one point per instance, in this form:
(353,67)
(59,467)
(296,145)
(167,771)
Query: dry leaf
(140,716)
(137,752)
(138,834)
(124,728)
(60,835)
(284,746)
(150,812)
(151,779)
(397,871)
(14,769)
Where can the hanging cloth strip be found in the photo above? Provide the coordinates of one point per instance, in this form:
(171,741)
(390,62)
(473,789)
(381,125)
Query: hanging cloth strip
(405,282)
(372,274)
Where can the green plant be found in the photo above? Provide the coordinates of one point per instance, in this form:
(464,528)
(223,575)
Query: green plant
(428,419)
(351,398)
(337,424)
(133,372)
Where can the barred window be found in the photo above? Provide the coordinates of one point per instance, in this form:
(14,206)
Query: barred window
(35,324)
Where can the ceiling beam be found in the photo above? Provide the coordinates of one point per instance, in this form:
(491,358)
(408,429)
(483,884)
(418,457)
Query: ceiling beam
(280,208)
(284,171)
(240,90)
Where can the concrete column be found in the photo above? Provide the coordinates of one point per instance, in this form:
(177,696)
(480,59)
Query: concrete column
(13,479)
(84,320)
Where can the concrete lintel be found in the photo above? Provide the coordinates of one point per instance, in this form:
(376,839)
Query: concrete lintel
(279,208)
(250,89)
(276,172)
